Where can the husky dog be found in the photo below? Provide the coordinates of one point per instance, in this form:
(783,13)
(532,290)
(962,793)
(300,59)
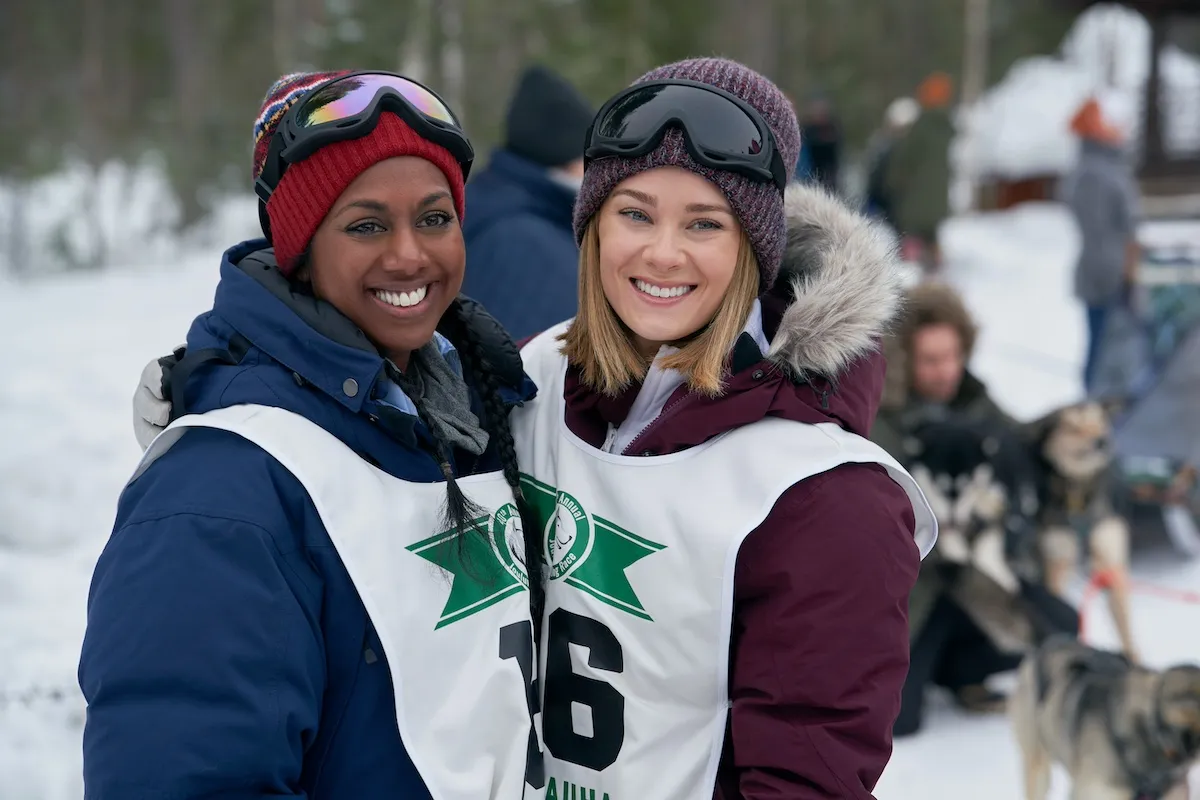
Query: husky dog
(1072,447)
(1122,732)
(976,477)
(977,480)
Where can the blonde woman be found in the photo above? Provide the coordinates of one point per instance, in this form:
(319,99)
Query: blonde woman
(729,558)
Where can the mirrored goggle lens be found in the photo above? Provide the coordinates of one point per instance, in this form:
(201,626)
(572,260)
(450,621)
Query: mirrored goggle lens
(712,121)
(352,95)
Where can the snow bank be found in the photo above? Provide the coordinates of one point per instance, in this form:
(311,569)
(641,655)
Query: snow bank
(1021,127)
(78,218)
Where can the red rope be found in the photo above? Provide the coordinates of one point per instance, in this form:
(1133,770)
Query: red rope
(1104,579)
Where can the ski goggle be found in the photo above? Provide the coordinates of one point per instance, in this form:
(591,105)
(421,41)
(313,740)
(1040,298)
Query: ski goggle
(721,131)
(348,107)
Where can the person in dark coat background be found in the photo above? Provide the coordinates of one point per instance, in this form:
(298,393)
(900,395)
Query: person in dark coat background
(522,259)
(901,113)
(1102,195)
(821,143)
(928,378)
(917,178)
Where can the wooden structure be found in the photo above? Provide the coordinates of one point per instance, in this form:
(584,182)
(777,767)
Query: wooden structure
(1170,184)
(1160,173)
(1008,192)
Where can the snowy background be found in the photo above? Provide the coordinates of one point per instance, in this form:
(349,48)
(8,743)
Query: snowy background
(1021,127)
(75,344)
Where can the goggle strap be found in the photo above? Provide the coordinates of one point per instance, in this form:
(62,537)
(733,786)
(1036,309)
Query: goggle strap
(263,190)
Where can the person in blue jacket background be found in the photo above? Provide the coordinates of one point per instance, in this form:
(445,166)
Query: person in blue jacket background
(523,263)
(228,652)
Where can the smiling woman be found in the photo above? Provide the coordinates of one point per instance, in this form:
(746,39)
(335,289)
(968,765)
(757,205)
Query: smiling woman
(677,271)
(317,583)
(736,557)
(390,254)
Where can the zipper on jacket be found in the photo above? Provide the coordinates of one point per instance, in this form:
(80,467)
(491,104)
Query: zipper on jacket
(822,393)
(669,407)
(610,438)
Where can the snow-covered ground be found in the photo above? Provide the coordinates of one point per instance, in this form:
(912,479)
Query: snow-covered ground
(76,344)
(74,347)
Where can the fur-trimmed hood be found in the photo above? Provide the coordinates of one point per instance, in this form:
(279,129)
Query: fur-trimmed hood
(842,284)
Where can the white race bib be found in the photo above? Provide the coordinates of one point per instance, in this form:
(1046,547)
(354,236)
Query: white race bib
(456,631)
(642,552)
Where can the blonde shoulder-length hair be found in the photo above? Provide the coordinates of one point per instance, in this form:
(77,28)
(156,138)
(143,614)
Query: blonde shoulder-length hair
(601,345)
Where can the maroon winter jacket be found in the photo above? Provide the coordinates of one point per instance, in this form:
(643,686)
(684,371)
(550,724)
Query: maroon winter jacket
(820,630)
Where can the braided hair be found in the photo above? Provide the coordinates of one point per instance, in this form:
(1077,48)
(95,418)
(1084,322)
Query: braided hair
(479,373)
(460,512)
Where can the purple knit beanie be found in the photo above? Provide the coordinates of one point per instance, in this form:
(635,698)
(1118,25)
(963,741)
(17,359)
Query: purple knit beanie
(758,206)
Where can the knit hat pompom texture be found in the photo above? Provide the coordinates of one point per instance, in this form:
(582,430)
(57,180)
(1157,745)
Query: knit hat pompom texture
(308,189)
(758,206)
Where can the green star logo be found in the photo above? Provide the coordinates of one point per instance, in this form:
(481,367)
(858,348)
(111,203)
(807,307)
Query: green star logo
(588,552)
(483,569)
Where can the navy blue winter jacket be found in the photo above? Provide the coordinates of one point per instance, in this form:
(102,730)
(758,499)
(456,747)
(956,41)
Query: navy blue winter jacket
(522,260)
(227,652)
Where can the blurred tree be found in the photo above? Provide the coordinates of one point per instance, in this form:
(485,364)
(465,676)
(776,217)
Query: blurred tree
(104,79)
(190,150)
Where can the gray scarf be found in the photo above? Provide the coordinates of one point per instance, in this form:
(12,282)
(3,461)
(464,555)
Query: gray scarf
(443,398)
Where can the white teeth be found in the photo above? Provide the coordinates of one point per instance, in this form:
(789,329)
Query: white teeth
(402,299)
(661,291)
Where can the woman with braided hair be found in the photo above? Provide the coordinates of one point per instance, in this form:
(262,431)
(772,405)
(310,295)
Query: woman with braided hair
(318,583)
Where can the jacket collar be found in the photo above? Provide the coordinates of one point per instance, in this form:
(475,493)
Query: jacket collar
(261,304)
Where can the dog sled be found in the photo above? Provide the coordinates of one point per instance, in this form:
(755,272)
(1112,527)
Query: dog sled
(1149,373)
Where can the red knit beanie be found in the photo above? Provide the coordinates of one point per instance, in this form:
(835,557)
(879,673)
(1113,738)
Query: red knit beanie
(309,188)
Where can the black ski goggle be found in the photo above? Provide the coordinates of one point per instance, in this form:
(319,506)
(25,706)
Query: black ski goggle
(349,107)
(721,131)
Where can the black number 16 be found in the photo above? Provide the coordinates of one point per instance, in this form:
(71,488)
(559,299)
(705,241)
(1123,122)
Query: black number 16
(564,688)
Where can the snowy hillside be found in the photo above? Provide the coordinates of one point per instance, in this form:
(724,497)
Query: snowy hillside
(76,345)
